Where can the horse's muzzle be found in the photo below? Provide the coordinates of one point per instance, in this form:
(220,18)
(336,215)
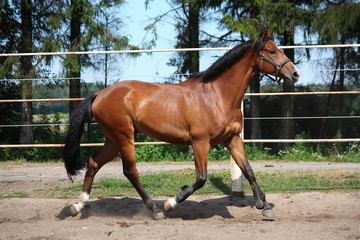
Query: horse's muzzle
(295,76)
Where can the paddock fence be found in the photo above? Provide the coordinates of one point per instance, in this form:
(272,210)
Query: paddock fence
(178,50)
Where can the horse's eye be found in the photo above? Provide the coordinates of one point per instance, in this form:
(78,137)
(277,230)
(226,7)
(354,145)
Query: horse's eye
(272,52)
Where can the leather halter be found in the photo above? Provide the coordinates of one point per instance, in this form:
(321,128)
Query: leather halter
(277,66)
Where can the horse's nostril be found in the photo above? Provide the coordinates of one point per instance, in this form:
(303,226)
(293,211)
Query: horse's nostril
(296,74)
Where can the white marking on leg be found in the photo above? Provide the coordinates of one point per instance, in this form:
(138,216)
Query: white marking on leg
(84,197)
(170,204)
(79,206)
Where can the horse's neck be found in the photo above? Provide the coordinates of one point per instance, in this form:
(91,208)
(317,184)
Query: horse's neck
(233,84)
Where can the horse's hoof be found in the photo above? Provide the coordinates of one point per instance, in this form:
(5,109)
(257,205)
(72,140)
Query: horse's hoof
(170,204)
(268,214)
(73,211)
(158,215)
(259,204)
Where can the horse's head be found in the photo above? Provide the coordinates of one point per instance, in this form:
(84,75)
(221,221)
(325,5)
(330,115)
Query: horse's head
(274,62)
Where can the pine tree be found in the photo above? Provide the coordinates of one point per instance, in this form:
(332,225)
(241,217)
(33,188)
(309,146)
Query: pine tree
(86,31)
(26,132)
(338,22)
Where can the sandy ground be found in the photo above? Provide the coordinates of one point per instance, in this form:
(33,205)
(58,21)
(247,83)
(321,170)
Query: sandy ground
(313,215)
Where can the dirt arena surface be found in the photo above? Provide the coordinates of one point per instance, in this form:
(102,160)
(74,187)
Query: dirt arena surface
(314,215)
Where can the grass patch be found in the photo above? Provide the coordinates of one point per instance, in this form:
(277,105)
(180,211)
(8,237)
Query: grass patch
(17,195)
(219,183)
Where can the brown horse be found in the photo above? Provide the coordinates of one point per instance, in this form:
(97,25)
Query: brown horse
(201,111)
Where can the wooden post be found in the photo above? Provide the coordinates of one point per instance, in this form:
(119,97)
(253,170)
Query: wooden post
(237,177)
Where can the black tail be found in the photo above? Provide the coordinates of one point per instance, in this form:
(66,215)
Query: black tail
(71,153)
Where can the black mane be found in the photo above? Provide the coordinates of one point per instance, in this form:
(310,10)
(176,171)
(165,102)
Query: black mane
(229,59)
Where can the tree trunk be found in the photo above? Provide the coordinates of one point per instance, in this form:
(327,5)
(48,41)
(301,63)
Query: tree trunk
(26,132)
(255,124)
(75,66)
(193,36)
(341,88)
(323,132)
(287,102)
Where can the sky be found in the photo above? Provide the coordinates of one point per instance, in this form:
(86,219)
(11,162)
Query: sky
(147,67)
(153,68)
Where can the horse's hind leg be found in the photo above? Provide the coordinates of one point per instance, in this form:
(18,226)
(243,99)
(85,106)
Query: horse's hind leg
(106,154)
(130,171)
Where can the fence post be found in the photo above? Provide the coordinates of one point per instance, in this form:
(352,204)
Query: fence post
(237,177)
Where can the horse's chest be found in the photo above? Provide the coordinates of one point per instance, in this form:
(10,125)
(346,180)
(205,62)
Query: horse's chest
(235,128)
(236,123)
(232,126)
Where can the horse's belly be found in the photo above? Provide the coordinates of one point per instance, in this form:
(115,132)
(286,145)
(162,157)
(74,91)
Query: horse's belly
(164,131)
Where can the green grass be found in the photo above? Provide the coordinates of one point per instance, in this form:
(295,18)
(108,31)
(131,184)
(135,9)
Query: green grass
(17,195)
(219,183)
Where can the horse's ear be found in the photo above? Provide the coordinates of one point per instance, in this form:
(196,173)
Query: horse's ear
(270,34)
(264,35)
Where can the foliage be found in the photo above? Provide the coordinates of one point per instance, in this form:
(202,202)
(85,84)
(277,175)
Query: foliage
(9,112)
(259,153)
(173,153)
(327,21)
(307,106)
(99,30)
(304,106)
(167,153)
(337,19)
(169,183)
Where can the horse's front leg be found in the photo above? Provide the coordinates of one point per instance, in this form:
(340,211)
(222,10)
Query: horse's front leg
(236,148)
(201,150)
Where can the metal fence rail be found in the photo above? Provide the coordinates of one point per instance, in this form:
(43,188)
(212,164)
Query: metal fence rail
(162,143)
(246,95)
(335,140)
(165,50)
(181,50)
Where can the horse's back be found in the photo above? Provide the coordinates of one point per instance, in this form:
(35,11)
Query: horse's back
(158,110)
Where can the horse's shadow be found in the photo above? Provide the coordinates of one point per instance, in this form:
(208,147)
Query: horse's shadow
(188,210)
(134,208)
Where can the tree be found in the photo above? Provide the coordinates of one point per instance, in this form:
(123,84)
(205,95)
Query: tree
(243,18)
(73,63)
(86,31)
(189,15)
(193,32)
(26,132)
(188,28)
(9,36)
(338,22)
(24,29)
(293,14)
(35,25)
(249,18)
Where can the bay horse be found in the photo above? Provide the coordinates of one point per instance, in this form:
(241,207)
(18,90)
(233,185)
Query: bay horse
(202,111)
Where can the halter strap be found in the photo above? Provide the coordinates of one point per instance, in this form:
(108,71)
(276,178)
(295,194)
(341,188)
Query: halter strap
(277,66)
